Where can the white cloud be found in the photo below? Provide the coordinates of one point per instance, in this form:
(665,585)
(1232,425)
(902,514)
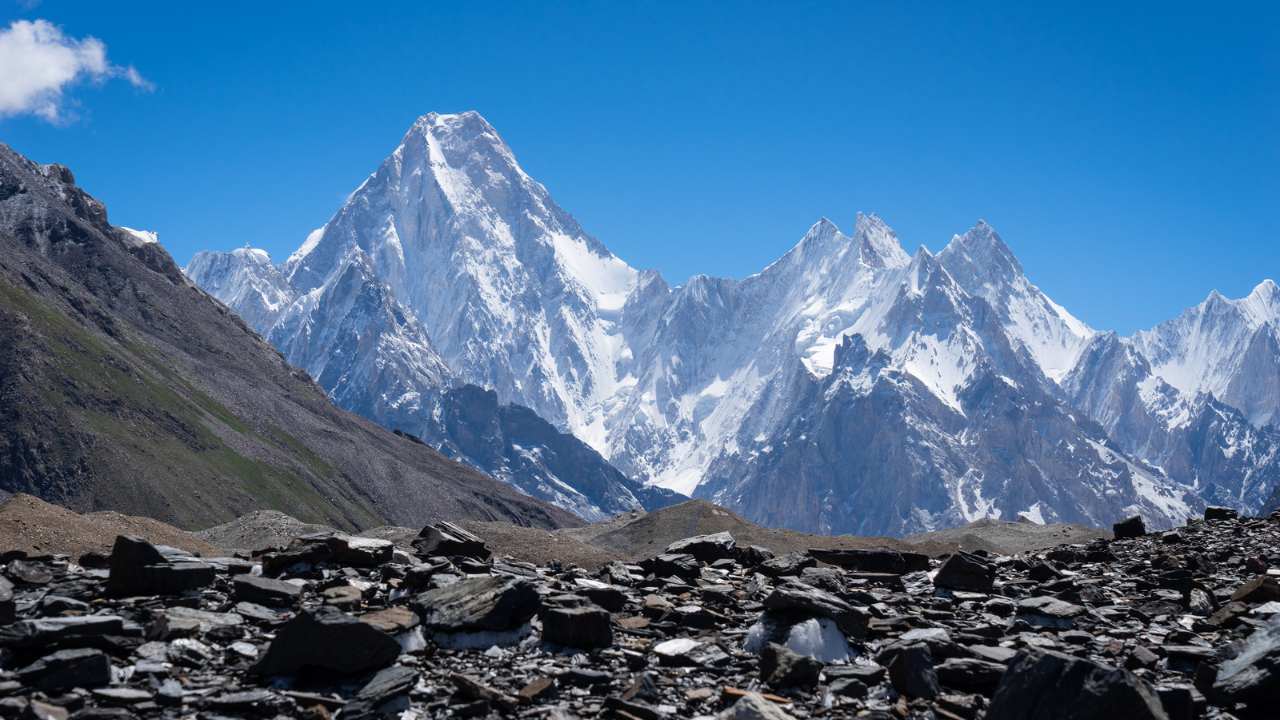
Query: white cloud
(38,61)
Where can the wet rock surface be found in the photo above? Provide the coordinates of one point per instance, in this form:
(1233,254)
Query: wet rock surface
(329,628)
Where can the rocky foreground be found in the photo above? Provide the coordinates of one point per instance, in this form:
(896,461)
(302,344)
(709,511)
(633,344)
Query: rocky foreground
(1182,624)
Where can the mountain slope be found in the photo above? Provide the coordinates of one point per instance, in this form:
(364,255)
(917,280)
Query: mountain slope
(700,387)
(1197,396)
(125,386)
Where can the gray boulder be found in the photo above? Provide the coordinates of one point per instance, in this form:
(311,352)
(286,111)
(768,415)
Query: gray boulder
(1048,685)
(328,639)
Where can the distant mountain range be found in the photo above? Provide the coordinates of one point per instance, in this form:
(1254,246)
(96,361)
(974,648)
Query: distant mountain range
(124,386)
(848,387)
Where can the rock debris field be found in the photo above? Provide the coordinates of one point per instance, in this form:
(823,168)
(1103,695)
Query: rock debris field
(1181,624)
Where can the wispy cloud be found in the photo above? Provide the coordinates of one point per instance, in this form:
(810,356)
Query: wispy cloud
(38,61)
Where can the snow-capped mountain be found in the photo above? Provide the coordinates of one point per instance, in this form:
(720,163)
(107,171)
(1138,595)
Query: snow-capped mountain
(848,387)
(1197,396)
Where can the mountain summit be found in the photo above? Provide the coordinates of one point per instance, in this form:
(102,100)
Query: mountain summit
(848,387)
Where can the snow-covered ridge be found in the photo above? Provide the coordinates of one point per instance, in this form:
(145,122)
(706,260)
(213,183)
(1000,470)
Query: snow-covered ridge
(449,264)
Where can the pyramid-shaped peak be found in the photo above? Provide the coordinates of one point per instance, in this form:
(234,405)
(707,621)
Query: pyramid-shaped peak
(980,252)
(877,243)
(824,229)
(456,136)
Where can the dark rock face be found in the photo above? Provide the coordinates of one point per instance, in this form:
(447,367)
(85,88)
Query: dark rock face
(579,627)
(782,667)
(327,639)
(912,673)
(964,571)
(1253,676)
(1129,528)
(705,548)
(1220,513)
(137,568)
(448,540)
(471,426)
(492,603)
(1048,685)
(84,667)
(264,591)
(880,560)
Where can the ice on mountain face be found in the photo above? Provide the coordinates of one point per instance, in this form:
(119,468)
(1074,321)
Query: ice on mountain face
(146,236)
(450,266)
(984,266)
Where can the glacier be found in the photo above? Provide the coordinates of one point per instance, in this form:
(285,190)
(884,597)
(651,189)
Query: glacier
(848,387)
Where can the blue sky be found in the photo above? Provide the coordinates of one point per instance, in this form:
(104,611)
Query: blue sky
(1130,155)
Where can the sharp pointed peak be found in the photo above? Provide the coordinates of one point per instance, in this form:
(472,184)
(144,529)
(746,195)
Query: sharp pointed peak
(824,228)
(983,247)
(878,244)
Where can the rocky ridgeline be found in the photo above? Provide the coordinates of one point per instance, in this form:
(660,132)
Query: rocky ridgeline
(1181,624)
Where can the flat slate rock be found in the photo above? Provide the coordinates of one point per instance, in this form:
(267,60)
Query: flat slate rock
(327,639)
(1048,685)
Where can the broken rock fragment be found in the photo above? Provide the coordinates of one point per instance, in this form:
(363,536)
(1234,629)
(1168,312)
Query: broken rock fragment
(1129,528)
(445,539)
(1048,685)
(967,572)
(326,638)
(138,568)
(706,548)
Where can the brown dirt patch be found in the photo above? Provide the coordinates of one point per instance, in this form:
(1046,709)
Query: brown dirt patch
(649,535)
(538,546)
(39,528)
(1010,538)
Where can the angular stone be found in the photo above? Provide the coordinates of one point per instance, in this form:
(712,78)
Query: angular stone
(753,707)
(81,667)
(1263,588)
(305,551)
(487,603)
(785,565)
(392,621)
(680,651)
(206,621)
(965,571)
(539,688)
(361,552)
(609,598)
(329,639)
(706,548)
(848,687)
(343,596)
(803,598)
(385,694)
(1129,528)
(1043,572)
(578,627)
(1049,611)
(967,673)
(682,565)
(912,673)
(878,560)
(1220,513)
(29,573)
(448,540)
(1048,685)
(264,591)
(782,667)
(45,631)
(1253,675)
(138,568)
